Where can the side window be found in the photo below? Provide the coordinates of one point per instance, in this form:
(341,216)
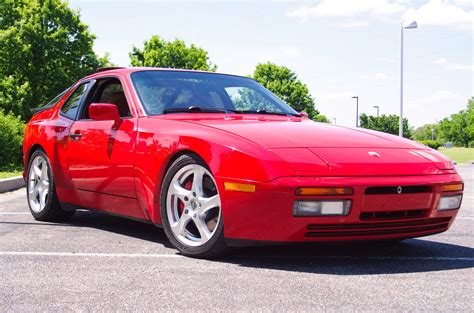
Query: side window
(109,90)
(71,106)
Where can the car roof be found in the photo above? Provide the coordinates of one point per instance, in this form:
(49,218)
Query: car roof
(127,70)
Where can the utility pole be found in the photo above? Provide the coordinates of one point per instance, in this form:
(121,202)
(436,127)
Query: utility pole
(357,110)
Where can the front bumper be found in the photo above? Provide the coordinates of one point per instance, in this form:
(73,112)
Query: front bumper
(266,215)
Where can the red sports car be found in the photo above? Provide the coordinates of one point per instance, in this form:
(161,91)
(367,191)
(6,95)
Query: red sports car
(218,160)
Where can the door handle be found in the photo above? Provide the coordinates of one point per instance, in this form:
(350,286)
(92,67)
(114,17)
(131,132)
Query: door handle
(75,136)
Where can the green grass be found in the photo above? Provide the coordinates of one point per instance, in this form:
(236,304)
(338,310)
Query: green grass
(10,174)
(459,155)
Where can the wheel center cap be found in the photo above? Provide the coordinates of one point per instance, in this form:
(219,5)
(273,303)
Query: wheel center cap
(193,204)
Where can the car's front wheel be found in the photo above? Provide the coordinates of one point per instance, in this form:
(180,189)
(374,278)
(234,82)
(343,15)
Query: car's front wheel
(41,191)
(191,210)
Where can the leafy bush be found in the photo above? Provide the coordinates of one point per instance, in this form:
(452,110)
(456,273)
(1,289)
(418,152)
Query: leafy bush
(434,144)
(11,141)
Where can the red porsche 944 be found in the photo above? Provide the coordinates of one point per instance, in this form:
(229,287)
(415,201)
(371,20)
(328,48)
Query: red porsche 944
(218,160)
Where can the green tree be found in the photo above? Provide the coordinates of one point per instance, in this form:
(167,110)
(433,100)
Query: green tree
(158,52)
(44,47)
(459,127)
(385,123)
(285,84)
(426,132)
(11,141)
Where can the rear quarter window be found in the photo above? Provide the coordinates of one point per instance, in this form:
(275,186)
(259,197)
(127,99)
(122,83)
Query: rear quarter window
(71,106)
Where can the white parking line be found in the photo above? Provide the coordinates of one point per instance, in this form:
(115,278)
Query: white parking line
(82,254)
(15,213)
(144,255)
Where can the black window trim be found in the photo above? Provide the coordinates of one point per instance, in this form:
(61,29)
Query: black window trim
(82,99)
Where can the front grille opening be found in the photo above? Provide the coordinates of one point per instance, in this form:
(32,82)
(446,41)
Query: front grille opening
(393,190)
(402,228)
(392,215)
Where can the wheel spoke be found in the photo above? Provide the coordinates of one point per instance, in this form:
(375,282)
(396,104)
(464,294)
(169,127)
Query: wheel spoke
(44,171)
(33,192)
(180,226)
(43,194)
(37,170)
(178,191)
(198,176)
(202,228)
(209,203)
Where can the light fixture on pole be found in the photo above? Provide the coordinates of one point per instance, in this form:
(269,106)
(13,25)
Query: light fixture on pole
(402,27)
(357,110)
(377,107)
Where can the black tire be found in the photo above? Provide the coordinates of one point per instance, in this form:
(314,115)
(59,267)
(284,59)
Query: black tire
(216,245)
(52,211)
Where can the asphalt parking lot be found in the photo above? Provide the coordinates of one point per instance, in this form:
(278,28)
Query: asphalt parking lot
(102,263)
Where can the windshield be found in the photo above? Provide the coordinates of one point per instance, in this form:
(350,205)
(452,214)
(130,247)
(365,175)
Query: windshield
(173,91)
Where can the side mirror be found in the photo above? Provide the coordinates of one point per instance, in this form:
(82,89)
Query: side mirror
(105,112)
(304,115)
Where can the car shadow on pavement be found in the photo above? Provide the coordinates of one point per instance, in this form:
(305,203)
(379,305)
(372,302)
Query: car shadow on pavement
(365,258)
(409,256)
(368,258)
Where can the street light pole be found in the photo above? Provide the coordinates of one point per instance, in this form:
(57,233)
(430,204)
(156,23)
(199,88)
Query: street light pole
(357,110)
(377,107)
(409,26)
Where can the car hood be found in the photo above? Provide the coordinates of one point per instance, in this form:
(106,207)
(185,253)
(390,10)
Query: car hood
(271,132)
(323,149)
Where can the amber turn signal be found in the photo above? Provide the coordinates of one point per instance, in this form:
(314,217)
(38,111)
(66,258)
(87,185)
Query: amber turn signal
(323,191)
(239,187)
(452,187)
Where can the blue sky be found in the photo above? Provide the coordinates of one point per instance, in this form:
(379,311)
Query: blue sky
(338,48)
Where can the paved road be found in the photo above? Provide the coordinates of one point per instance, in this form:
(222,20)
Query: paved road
(97,262)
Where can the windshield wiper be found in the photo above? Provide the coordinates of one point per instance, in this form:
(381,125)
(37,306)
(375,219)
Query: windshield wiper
(195,109)
(267,112)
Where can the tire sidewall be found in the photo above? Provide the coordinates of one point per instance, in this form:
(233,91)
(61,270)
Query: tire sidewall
(219,232)
(47,206)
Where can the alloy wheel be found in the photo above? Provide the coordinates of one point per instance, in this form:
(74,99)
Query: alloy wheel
(38,184)
(193,205)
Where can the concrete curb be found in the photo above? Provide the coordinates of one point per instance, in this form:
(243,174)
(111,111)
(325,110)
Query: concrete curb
(12,183)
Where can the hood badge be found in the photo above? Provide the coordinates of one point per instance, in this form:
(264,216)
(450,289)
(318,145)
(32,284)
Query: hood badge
(374,154)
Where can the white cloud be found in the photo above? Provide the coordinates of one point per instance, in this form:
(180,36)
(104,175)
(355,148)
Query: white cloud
(450,66)
(455,13)
(343,8)
(377,77)
(441,13)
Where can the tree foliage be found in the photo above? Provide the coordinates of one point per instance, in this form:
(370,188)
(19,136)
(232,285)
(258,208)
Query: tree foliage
(459,127)
(385,123)
(285,84)
(11,141)
(44,48)
(426,132)
(158,52)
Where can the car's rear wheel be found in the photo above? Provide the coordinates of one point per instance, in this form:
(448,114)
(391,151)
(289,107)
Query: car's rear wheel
(191,210)
(41,191)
